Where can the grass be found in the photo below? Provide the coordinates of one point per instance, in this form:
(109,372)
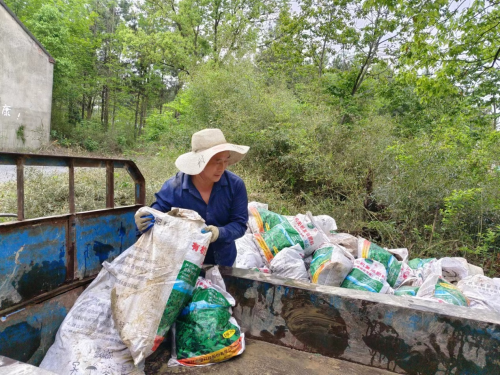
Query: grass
(47,195)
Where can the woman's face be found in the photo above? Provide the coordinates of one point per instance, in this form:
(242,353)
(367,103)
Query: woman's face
(215,167)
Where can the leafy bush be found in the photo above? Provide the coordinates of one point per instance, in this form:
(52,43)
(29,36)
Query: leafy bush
(90,136)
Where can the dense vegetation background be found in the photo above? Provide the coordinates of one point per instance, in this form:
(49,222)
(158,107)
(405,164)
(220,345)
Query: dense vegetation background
(380,113)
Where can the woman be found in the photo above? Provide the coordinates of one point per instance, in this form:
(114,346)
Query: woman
(205,186)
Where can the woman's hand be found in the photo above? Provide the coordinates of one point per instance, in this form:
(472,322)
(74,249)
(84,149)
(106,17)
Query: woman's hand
(143,221)
(214,230)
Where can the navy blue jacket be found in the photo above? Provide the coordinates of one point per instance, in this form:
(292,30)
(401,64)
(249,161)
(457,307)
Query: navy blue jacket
(227,209)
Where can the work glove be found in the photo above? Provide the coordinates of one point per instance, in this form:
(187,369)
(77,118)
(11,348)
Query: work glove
(143,221)
(214,230)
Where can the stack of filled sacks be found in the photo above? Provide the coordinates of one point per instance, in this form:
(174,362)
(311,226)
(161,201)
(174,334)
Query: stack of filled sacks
(280,244)
(126,312)
(205,332)
(306,247)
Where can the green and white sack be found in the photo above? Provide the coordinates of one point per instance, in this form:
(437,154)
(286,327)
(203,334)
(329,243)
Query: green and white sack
(330,265)
(424,268)
(406,291)
(397,272)
(260,219)
(124,313)
(435,287)
(368,275)
(205,331)
(297,230)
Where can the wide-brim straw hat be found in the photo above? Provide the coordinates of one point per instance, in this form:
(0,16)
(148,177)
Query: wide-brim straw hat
(205,144)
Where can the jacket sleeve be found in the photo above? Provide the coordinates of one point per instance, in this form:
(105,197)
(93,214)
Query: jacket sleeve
(164,198)
(238,216)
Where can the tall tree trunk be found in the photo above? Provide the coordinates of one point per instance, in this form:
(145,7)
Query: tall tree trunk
(144,105)
(363,70)
(322,58)
(136,114)
(495,117)
(83,106)
(105,107)
(114,111)
(216,30)
(162,95)
(90,107)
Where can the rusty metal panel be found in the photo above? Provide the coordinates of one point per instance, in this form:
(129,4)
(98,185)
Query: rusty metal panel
(54,256)
(26,335)
(20,189)
(110,183)
(404,335)
(33,257)
(102,236)
(21,160)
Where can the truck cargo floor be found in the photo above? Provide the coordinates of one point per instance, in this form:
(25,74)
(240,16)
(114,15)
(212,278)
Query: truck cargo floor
(262,358)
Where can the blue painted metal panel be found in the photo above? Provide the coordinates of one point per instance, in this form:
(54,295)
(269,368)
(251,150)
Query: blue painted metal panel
(400,334)
(33,261)
(41,258)
(28,334)
(102,238)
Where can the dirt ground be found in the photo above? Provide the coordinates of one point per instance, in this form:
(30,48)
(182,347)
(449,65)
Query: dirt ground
(261,358)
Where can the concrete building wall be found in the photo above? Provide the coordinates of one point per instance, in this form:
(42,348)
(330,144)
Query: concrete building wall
(26,74)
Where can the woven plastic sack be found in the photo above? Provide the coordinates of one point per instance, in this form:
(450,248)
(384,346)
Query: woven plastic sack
(124,313)
(330,265)
(475,270)
(437,288)
(368,275)
(454,268)
(400,254)
(424,268)
(177,249)
(346,240)
(369,250)
(205,331)
(248,254)
(482,292)
(417,263)
(326,223)
(289,262)
(260,219)
(297,230)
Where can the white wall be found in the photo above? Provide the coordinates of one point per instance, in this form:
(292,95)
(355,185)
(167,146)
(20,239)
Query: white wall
(25,87)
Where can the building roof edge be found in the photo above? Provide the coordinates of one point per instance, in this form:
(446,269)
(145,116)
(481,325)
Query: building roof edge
(51,59)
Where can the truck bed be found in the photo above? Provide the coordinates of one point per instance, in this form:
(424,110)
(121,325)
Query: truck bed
(262,358)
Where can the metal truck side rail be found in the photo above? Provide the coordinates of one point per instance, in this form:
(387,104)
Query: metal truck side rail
(50,259)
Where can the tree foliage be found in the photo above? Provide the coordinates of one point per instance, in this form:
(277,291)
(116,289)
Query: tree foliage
(379,112)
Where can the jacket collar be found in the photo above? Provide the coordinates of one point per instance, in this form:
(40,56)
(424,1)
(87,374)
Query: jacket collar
(187,184)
